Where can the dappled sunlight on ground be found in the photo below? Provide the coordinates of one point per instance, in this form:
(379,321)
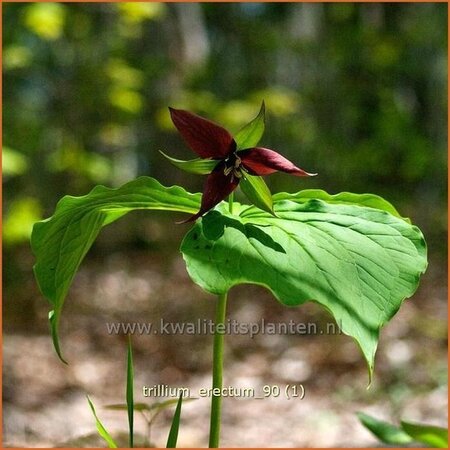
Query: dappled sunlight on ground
(45,404)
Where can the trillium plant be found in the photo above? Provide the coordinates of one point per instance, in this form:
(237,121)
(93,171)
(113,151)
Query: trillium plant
(353,254)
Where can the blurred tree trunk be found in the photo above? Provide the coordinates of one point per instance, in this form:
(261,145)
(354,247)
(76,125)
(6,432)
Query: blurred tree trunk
(194,49)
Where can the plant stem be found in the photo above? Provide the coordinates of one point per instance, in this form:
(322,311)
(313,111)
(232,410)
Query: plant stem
(216,400)
(130,393)
(230,202)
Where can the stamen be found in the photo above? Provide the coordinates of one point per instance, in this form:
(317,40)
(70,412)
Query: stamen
(227,171)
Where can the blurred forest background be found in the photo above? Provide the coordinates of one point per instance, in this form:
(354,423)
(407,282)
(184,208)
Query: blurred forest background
(355,92)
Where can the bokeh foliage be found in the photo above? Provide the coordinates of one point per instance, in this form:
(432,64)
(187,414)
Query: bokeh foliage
(356,92)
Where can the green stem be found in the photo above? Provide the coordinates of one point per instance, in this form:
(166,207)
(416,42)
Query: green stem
(216,400)
(230,202)
(130,393)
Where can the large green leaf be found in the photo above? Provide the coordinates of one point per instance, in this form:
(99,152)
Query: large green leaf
(61,242)
(359,263)
(346,198)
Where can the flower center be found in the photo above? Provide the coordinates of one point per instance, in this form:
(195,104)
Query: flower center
(233,166)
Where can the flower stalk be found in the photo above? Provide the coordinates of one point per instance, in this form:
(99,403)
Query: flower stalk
(217,375)
(231,202)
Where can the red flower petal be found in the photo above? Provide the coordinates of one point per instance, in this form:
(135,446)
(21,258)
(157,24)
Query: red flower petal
(263,161)
(204,137)
(218,186)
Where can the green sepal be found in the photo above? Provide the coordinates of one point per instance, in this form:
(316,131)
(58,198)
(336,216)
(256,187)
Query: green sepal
(249,135)
(256,190)
(198,166)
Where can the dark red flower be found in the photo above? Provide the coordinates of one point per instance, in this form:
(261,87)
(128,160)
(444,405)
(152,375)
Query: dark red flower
(211,141)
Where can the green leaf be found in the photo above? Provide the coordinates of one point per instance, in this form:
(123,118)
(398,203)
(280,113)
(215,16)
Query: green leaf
(100,428)
(359,263)
(384,431)
(257,192)
(173,433)
(198,166)
(250,134)
(168,403)
(346,198)
(436,437)
(61,242)
(148,407)
(124,407)
(130,393)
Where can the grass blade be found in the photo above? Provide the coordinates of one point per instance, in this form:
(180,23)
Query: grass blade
(129,393)
(173,434)
(100,428)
